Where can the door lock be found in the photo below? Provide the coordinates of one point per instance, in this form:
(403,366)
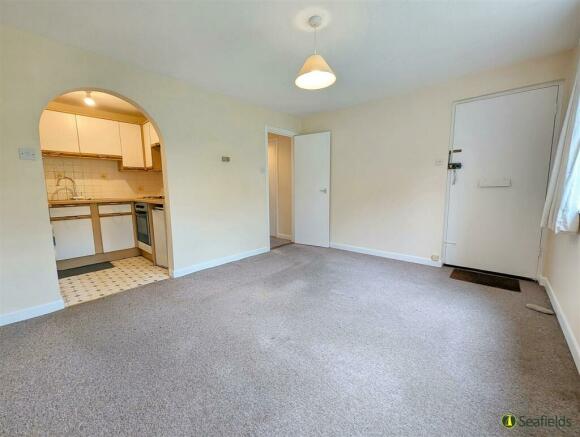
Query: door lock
(453,165)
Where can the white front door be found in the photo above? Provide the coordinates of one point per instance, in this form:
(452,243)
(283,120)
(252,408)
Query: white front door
(496,198)
(312,189)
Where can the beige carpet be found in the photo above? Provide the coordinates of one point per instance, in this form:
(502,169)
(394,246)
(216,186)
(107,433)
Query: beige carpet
(299,341)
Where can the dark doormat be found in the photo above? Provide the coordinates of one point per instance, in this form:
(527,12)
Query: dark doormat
(85,269)
(278,242)
(488,279)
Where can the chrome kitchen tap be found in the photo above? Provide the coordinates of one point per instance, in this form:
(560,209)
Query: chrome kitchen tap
(74,186)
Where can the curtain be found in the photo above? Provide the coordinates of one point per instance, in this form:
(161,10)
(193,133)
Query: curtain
(563,197)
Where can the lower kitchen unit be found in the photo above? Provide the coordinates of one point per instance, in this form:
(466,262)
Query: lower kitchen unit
(103,246)
(105,192)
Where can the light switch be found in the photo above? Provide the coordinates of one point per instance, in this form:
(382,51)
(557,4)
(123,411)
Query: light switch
(27,154)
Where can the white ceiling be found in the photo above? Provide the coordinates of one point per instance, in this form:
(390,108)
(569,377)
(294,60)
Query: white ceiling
(253,50)
(104,102)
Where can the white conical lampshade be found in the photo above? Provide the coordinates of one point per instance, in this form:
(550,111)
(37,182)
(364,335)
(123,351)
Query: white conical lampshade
(315,74)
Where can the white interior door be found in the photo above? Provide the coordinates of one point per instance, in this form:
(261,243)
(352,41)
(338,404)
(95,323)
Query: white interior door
(496,198)
(312,189)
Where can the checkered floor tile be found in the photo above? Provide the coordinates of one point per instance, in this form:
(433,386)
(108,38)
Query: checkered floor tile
(128,273)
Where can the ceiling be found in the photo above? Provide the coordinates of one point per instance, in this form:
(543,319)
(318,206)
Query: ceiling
(104,102)
(253,50)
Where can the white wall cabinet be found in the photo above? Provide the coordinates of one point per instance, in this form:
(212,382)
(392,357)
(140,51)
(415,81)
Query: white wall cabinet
(82,135)
(73,238)
(58,132)
(117,232)
(131,145)
(153,136)
(98,136)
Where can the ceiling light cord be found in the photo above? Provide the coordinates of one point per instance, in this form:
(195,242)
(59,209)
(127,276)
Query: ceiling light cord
(315,40)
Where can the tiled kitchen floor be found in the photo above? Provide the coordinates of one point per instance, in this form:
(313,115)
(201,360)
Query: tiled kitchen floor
(128,273)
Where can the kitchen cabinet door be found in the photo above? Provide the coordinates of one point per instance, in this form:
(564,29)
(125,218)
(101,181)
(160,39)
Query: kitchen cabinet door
(58,132)
(117,232)
(147,145)
(73,238)
(153,136)
(160,236)
(131,145)
(98,136)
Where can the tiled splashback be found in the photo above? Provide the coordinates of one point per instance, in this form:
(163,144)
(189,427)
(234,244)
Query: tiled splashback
(98,178)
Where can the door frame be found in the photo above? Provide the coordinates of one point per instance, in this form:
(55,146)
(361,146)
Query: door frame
(555,135)
(285,133)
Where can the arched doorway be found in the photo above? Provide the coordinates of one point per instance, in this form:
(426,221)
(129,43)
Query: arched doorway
(105,189)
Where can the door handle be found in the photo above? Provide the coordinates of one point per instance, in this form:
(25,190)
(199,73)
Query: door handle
(324,190)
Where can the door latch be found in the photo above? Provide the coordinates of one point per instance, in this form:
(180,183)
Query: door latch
(453,165)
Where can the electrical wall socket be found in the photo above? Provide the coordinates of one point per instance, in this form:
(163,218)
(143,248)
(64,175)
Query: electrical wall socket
(434,257)
(27,154)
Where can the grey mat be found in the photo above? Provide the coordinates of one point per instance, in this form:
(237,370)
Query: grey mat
(278,242)
(299,341)
(488,279)
(85,269)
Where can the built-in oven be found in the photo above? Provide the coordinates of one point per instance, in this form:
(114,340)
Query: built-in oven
(143,236)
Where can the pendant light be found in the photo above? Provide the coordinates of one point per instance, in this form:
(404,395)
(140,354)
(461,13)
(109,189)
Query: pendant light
(89,101)
(315,74)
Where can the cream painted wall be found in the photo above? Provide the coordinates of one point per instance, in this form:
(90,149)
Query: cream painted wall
(388,194)
(217,209)
(562,270)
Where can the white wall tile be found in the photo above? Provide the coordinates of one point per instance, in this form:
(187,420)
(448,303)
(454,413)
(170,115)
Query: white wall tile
(98,179)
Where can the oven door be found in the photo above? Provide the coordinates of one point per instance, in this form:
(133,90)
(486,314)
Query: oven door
(143,227)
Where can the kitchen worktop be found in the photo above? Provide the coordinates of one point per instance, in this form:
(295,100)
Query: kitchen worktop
(105,200)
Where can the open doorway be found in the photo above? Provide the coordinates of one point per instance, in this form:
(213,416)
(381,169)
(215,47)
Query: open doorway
(280,189)
(105,191)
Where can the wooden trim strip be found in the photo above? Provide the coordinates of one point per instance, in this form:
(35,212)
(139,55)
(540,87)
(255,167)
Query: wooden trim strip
(147,255)
(54,154)
(98,258)
(115,214)
(70,217)
(65,205)
(97,233)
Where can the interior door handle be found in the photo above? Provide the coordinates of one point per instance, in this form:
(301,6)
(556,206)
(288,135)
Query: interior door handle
(324,190)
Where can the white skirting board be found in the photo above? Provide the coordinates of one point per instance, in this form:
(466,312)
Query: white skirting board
(29,313)
(216,262)
(390,255)
(564,325)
